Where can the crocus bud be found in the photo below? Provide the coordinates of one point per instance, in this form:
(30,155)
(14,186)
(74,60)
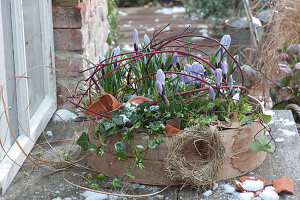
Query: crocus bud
(225,41)
(286,93)
(218,77)
(285,69)
(297,66)
(224,67)
(237,58)
(212,93)
(160,76)
(173,77)
(159,88)
(135,39)
(284,57)
(173,60)
(230,83)
(163,60)
(147,42)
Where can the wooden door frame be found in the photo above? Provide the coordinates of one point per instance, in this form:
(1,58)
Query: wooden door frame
(29,128)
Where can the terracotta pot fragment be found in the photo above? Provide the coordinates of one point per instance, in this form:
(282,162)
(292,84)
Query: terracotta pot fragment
(104,105)
(284,184)
(138,100)
(173,126)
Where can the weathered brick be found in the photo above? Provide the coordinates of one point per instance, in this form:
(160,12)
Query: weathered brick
(70,39)
(66,17)
(68,63)
(65,2)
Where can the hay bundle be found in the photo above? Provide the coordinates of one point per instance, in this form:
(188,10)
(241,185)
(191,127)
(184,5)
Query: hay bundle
(283,29)
(195,156)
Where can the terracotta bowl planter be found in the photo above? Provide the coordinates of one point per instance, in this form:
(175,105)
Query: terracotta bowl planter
(239,158)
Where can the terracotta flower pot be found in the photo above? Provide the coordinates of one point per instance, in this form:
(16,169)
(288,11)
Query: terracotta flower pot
(104,105)
(138,100)
(239,158)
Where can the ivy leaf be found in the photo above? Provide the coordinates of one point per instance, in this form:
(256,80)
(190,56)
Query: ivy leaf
(145,137)
(152,144)
(94,186)
(118,120)
(83,141)
(92,147)
(137,125)
(266,118)
(121,156)
(108,125)
(117,182)
(260,144)
(120,146)
(100,152)
(129,175)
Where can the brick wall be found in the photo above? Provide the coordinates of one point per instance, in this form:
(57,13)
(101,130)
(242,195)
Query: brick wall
(80,30)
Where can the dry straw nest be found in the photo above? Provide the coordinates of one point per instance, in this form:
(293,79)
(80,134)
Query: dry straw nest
(283,28)
(195,156)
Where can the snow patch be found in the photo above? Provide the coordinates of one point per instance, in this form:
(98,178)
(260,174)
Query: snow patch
(288,133)
(64,115)
(269,112)
(57,198)
(94,195)
(150,29)
(128,48)
(269,188)
(169,11)
(156,20)
(279,140)
(269,195)
(229,189)
(207,193)
(49,133)
(251,185)
(215,186)
(245,196)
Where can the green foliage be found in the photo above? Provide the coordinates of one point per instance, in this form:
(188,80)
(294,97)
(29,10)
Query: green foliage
(216,8)
(116,182)
(83,141)
(113,20)
(261,143)
(68,156)
(89,176)
(94,186)
(101,177)
(137,3)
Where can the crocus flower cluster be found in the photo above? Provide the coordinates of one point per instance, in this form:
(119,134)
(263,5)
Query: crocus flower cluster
(160,86)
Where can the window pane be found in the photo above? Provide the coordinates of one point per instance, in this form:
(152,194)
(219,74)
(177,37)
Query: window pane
(34,52)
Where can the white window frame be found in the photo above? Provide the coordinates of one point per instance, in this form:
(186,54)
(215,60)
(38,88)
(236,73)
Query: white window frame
(29,128)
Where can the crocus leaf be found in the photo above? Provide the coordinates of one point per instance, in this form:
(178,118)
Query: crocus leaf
(92,147)
(266,118)
(83,141)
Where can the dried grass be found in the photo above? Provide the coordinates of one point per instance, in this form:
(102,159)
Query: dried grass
(283,29)
(209,150)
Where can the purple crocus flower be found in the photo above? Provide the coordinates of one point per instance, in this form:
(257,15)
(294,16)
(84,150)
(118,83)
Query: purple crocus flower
(147,42)
(285,69)
(297,66)
(187,68)
(159,87)
(224,67)
(284,57)
(225,41)
(218,77)
(230,83)
(212,93)
(115,52)
(160,76)
(135,40)
(173,60)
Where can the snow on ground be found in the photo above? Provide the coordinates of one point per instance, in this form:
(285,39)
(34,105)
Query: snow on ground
(269,112)
(49,133)
(96,196)
(269,195)
(288,133)
(169,11)
(245,196)
(64,115)
(128,48)
(207,193)
(228,188)
(150,29)
(279,140)
(253,185)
